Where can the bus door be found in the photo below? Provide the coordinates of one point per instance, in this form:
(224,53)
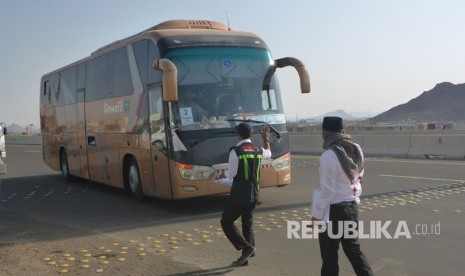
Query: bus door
(81,135)
(159,148)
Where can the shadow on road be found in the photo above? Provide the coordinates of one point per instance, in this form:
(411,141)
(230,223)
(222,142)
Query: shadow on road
(43,208)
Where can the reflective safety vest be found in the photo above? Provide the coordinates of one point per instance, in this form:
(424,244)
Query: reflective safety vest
(244,190)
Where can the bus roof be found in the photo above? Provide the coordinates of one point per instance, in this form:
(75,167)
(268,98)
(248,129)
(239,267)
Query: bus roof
(174,29)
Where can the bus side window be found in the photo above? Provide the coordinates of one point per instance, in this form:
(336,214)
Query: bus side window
(68,81)
(46,90)
(81,76)
(49,92)
(157,126)
(99,78)
(45,87)
(154,76)
(140,53)
(53,89)
(269,100)
(122,81)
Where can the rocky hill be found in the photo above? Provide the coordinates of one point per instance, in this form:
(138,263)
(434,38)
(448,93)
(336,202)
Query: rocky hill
(445,102)
(15,129)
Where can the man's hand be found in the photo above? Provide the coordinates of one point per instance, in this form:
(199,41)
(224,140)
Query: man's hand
(266,136)
(266,133)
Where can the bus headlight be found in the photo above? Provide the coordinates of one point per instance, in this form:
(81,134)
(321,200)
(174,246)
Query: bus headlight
(191,172)
(282,162)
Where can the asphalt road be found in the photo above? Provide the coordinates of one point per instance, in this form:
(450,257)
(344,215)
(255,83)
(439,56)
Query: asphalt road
(48,226)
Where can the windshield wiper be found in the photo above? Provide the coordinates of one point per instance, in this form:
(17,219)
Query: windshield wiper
(195,141)
(275,131)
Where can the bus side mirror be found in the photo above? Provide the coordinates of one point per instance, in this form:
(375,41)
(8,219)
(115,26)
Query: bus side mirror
(4,131)
(289,61)
(170,79)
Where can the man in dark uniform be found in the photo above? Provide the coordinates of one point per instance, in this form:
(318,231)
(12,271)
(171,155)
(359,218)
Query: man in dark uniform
(244,168)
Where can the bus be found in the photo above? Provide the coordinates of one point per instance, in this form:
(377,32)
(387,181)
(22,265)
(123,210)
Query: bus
(149,113)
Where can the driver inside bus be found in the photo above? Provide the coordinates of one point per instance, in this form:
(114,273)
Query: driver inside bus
(234,105)
(187,111)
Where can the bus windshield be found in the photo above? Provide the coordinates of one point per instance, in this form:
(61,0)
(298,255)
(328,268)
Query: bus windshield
(220,83)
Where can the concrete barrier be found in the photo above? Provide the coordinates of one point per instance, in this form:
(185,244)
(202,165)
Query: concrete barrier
(415,144)
(23,140)
(389,145)
(306,144)
(450,146)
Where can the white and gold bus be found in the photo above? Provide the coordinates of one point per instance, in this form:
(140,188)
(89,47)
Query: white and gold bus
(151,113)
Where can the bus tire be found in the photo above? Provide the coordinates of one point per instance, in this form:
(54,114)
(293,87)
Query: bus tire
(133,179)
(64,167)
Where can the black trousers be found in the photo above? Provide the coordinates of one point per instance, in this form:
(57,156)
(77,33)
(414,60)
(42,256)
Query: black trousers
(230,214)
(329,247)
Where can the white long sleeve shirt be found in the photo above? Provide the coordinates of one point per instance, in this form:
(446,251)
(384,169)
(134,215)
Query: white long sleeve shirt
(233,162)
(335,186)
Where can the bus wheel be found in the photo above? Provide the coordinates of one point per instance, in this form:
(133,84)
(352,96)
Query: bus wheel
(133,179)
(64,166)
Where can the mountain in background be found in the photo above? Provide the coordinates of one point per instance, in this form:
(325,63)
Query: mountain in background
(14,128)
(17,129)
(344,115)
(445,102)
(338,113)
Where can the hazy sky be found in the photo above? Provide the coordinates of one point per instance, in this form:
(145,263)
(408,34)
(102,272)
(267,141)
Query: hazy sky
(363,56)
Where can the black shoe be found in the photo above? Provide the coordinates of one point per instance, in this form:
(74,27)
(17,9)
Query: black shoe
(246,253)
(253,254)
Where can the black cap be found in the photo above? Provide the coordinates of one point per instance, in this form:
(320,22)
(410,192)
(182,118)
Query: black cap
(333,124)
(244,130)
